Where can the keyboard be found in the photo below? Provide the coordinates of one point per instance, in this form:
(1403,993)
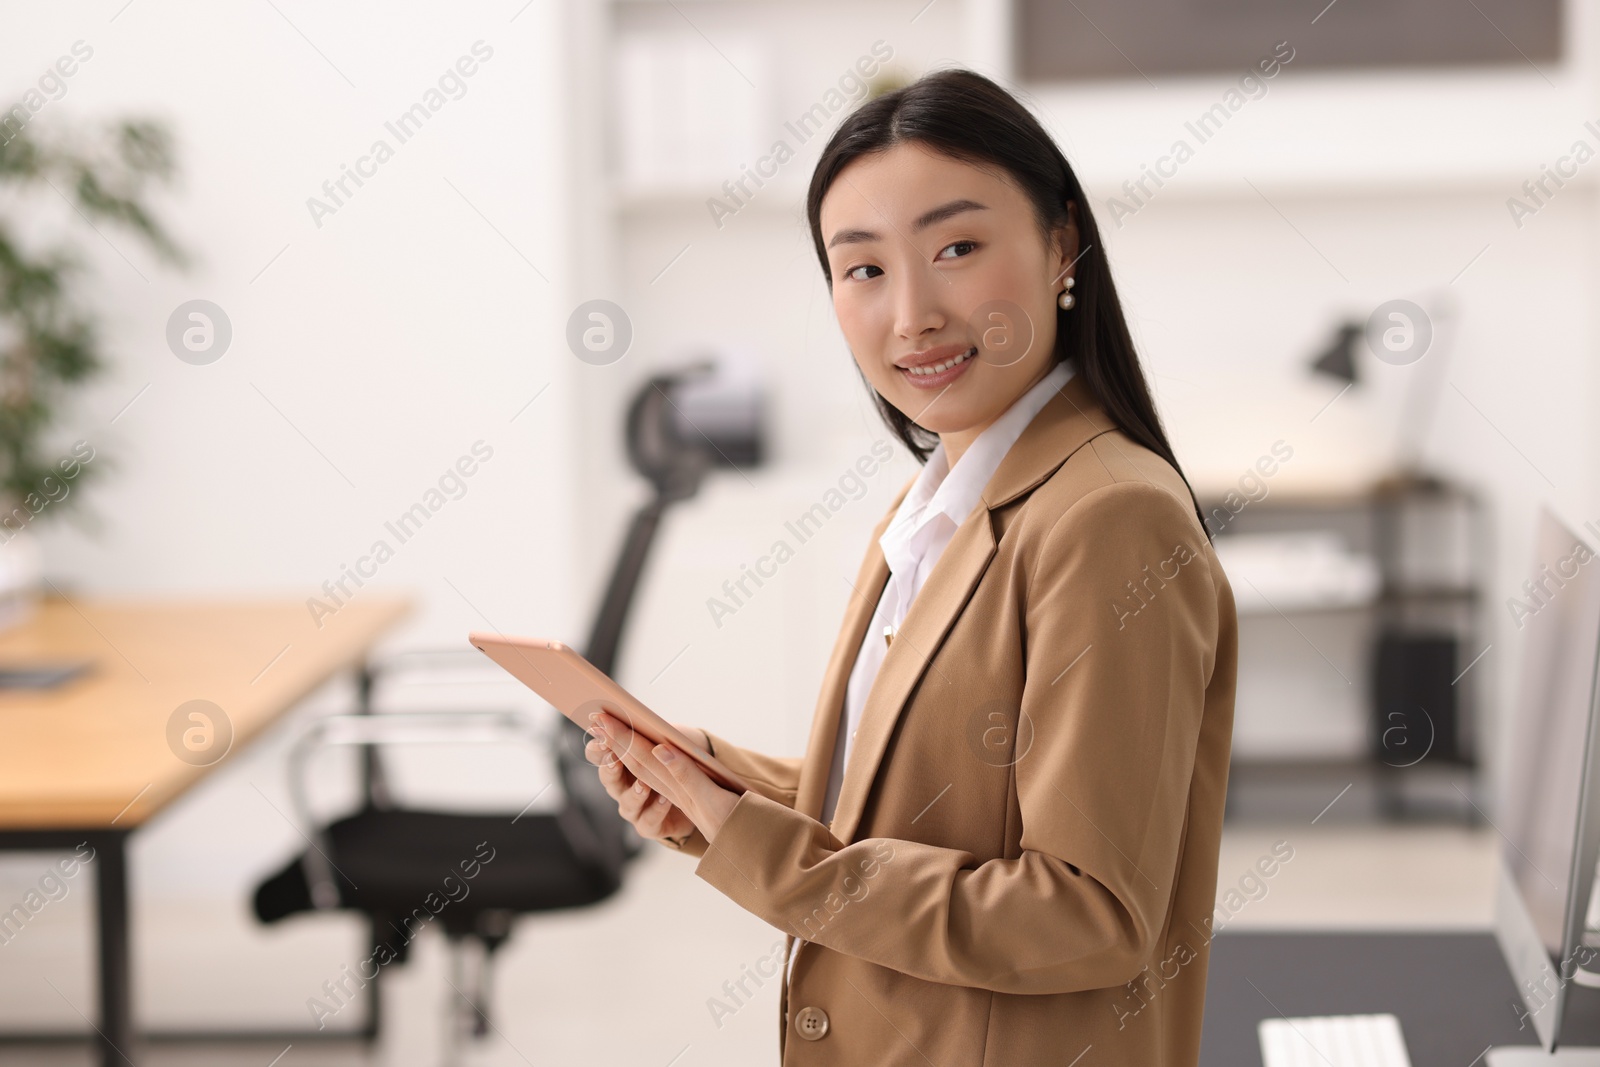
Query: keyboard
(1333,1041)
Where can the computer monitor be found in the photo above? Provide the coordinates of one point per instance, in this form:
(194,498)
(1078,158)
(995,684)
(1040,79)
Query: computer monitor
(1547,818)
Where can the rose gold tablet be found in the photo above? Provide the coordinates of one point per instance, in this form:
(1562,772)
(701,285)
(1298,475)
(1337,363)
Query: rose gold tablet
(576,687)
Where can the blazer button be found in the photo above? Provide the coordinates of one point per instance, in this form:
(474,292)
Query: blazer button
(812,1023)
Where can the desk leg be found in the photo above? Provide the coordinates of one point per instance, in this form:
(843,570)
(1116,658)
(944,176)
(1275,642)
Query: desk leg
(115,1038)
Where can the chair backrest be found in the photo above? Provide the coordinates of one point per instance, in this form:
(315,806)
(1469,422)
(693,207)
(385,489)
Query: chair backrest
(587,809)
(583,796)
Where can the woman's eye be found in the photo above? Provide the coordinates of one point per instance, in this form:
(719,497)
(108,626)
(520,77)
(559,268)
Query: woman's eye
(851,274)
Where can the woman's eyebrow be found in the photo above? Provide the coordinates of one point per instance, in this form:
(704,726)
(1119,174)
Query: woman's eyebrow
(926,219)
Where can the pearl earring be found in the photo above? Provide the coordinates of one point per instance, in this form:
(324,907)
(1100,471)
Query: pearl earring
(1066,299)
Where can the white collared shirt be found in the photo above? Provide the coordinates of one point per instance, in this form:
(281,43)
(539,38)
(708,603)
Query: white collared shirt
(935,505)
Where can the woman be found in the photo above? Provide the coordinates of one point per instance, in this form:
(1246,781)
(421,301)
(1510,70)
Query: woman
(1001,844)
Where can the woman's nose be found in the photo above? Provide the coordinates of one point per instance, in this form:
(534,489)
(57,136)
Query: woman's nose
(918,304)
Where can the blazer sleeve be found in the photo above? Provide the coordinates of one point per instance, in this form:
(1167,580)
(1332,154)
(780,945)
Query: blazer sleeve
(774,777)
(1115,697)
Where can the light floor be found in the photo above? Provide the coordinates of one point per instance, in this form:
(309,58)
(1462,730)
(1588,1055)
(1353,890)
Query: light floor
(629,982)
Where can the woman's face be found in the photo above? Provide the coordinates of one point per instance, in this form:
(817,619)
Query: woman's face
(931,259)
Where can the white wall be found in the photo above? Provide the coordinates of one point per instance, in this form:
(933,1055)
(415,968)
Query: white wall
(368,354)
(388,340)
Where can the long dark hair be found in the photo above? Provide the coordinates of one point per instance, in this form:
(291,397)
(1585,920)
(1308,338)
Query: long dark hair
(963,115)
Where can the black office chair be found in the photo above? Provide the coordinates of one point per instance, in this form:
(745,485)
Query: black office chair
(468,873)
(384,860)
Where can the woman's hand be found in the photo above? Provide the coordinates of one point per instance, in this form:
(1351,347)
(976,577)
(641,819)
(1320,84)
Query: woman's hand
(695,800)
(652,814)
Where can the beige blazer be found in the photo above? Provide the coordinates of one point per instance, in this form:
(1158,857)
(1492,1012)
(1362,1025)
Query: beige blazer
(1022,866)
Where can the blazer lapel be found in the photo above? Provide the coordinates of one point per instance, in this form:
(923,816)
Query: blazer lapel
(1070,418)
(934,608)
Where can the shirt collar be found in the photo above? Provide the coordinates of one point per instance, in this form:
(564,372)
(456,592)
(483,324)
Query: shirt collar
(940,490)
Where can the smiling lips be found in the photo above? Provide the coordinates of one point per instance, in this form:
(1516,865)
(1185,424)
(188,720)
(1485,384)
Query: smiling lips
(937,366)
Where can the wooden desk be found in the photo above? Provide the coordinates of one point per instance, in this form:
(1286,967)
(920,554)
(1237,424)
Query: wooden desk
(95,758)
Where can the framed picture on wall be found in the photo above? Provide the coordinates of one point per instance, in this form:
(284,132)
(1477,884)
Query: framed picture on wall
(1114,39)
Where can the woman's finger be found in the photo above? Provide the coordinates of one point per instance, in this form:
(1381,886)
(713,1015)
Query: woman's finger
(634,800)
(649,812)
(636,764)
(608,763)
(652,819)
(615,776)
(620,740)
(617,735)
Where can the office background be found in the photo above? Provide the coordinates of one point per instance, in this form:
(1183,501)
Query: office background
(376,343)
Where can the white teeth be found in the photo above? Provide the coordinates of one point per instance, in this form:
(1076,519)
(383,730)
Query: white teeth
(936,368)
